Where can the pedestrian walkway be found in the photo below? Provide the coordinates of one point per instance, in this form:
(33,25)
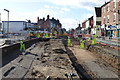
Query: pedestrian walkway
(86,58)
(109,42)
(114,39)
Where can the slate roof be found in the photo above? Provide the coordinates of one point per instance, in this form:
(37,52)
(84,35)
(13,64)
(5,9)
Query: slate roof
(106,3)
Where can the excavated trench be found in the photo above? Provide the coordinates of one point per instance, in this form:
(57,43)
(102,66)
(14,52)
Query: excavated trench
(107,57)
(46,59)
(53,62)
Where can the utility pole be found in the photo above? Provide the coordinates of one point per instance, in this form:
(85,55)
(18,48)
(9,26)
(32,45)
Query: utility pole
(8,21)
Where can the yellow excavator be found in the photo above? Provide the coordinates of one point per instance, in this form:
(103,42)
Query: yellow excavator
(32,34)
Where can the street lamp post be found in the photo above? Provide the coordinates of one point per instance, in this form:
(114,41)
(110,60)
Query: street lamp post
(8,21)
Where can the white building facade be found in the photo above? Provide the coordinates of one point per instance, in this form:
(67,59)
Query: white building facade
(97,21)
(16,26)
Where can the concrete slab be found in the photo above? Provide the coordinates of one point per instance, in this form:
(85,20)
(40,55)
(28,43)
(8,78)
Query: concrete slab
(18,72)
(25,62)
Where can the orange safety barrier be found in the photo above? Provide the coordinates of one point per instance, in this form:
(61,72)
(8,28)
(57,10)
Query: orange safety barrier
(103,43)
(115,48)
(111,46)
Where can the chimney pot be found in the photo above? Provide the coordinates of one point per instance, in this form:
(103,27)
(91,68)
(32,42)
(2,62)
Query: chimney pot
(38,18)
(48,16)
(43,19)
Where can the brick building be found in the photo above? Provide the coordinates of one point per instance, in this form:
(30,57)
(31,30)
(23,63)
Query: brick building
(87,25)
(90,24)
(50,25)
(110,20)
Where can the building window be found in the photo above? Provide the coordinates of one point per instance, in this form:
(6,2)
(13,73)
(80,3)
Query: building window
(108,19)
(104,20)
(114,17)
(119,17)
(119,4)
(114,4)
(51,25)
(104,9)
(108,7)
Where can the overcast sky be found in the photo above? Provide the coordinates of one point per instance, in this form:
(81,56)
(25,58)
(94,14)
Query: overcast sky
(69,12)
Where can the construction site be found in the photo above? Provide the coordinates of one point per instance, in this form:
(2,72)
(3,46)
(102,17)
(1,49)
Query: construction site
(53,59)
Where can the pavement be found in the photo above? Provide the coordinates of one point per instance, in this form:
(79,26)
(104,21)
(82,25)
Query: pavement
(90,63)
(109,42)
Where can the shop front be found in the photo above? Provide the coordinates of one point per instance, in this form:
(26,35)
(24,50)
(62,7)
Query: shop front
(118,29)
(114,31)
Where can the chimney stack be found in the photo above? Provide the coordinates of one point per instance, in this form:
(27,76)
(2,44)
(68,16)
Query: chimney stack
(43,19)
(48,16)
(52,17)
(38,18)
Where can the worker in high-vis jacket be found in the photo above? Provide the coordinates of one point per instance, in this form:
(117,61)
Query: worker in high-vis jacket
(94,39)
(51,35)
(89,39)
(38,35)
(55,34)
(22,46)
(46,35)
(69,42)
(82,43)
